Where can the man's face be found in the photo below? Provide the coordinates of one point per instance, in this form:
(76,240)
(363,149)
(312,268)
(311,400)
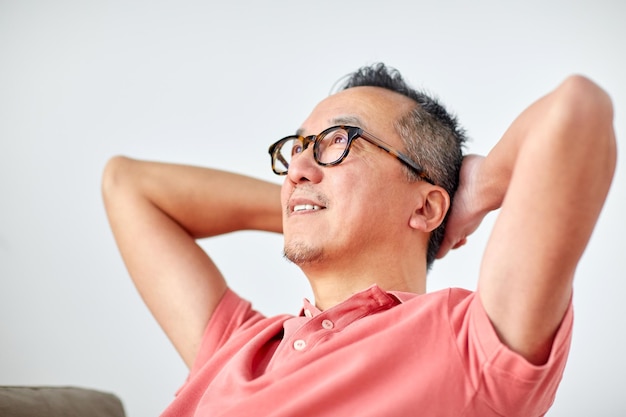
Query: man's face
(357,208)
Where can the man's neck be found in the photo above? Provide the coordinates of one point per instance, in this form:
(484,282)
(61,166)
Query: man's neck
(332,287)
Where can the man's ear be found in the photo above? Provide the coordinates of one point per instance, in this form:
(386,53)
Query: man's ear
(431,209)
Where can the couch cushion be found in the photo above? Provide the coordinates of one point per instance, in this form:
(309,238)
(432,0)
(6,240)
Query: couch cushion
(58,401)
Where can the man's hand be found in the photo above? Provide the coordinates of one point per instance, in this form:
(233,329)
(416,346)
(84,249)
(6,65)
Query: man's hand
(466,212)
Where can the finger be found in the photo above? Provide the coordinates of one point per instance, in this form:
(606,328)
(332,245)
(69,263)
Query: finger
(460,243)
(445,247)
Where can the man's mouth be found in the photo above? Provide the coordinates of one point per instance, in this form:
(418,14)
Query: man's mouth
(303,207)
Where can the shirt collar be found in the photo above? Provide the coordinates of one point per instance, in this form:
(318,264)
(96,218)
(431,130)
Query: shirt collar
(373,295)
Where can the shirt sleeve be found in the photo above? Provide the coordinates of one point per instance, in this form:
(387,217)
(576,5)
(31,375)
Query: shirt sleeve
(505,382)
(232,314)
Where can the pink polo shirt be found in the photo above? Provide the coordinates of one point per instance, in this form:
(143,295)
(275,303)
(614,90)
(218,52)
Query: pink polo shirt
(376,354)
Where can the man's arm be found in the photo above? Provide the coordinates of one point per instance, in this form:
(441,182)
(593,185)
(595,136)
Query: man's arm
(550,174)
(157,211)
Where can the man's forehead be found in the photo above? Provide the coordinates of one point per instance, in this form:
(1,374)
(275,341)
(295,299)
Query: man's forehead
(364,107)
(343,120)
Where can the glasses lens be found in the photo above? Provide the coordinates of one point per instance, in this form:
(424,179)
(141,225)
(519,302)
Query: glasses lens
(332,146)
(284,152)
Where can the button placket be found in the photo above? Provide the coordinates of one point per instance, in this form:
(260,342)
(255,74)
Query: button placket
(299,345)
(327,324)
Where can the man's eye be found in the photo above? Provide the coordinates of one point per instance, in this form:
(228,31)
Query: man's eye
(339,138)
(296,149)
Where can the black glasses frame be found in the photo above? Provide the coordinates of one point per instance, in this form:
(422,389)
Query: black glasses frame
(353,133)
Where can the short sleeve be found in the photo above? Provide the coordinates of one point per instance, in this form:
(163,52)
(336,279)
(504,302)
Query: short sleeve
(505,382)
(231,314)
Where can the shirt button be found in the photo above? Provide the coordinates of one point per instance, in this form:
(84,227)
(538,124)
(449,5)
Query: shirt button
(299,344)
(308,313)
(327,324)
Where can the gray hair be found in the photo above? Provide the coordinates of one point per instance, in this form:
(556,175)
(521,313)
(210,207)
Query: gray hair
(431,135)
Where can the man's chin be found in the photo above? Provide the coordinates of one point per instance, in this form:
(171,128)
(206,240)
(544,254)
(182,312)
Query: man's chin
(302,254)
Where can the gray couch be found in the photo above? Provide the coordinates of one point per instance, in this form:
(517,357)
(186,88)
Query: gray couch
(58,402)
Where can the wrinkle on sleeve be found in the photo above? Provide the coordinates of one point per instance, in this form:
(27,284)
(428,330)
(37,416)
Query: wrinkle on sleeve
(503,380)
(231,314)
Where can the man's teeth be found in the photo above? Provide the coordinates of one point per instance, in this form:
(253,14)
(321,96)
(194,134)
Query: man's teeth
(301,207)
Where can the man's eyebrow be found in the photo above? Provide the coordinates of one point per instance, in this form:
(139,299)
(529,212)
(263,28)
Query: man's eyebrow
(341,120)
(347,120)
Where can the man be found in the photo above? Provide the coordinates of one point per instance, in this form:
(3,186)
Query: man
(363,208)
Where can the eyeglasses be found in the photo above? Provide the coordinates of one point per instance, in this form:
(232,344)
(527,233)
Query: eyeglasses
(330,148)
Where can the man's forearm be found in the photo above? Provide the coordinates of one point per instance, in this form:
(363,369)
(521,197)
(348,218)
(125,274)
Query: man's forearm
(205,202)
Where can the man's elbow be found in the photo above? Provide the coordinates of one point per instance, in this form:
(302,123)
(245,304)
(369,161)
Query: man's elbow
(583,102)
(586,109)
(114,175)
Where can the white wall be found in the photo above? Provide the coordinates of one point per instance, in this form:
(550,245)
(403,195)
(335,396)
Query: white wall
(214,85)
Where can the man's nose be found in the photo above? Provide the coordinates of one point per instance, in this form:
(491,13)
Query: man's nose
(303,167)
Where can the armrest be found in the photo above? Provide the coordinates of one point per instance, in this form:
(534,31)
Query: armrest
(58,402)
